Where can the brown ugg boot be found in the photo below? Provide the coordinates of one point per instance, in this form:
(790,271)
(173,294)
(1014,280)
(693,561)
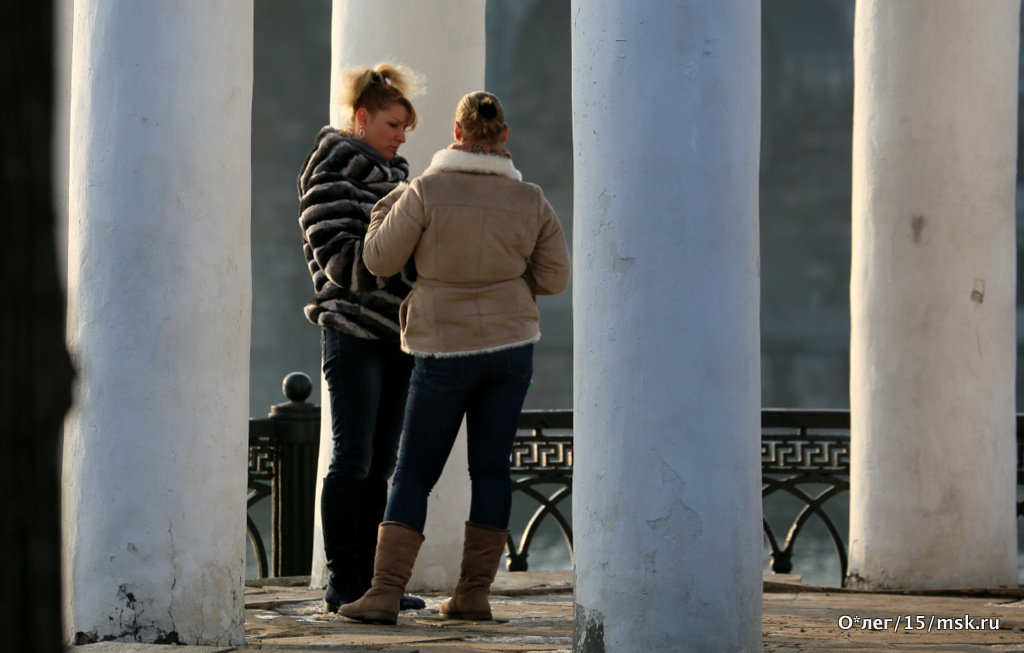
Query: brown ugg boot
(397,547)
(481,553)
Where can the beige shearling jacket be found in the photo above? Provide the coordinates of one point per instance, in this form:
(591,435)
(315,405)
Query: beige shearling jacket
(485,244)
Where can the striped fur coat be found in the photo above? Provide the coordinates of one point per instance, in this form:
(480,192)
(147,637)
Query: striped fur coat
(341,179)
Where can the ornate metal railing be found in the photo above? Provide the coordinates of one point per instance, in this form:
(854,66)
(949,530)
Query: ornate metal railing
(283,451)
(542,471)
(805,454)
(262,454)
(805,469)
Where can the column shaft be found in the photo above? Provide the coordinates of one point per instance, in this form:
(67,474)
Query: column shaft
(666,490)
(158,321)
(445,42)
(933,295)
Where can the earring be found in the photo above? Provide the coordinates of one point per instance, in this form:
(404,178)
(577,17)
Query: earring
(362,132)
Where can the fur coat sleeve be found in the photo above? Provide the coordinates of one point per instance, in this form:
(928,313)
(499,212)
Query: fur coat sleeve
(340,181)
(337,190)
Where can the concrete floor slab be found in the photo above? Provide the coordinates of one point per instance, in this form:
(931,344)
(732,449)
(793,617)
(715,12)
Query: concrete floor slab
(534,613)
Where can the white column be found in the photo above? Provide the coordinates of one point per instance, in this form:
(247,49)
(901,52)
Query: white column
(445,42)
(932,293)
(63,17)
(158,321)
(666,487)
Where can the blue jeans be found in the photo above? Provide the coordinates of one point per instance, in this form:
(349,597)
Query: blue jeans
(489,390)
(368,381)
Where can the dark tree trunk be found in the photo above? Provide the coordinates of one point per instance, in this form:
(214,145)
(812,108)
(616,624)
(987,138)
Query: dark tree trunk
(35,371)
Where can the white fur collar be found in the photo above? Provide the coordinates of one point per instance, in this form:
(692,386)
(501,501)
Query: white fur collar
(486,164)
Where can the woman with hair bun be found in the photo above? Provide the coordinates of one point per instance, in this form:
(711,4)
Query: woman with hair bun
(485,244)
(347,171)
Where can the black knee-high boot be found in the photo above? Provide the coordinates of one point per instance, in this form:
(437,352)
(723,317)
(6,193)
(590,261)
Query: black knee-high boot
(340,502)
(371,514)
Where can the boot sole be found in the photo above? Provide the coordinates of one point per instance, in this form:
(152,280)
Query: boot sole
(468,616)
(373,617)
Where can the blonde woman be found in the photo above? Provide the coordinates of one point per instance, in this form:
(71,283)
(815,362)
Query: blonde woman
(367,373)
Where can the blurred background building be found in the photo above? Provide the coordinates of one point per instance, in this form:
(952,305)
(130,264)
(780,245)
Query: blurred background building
(807,116)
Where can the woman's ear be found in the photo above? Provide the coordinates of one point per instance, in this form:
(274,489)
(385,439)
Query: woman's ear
(504,134)
(458,132)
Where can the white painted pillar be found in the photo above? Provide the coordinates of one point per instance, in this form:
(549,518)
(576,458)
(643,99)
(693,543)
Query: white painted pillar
(158,321)
(63,18)
(666,487)
(932,293)
(445,42)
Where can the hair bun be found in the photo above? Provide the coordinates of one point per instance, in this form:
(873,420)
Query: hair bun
(487,110)
(481,116)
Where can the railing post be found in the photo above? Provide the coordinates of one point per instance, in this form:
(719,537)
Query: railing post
(297,431)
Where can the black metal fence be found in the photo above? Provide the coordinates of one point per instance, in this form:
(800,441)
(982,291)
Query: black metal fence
(283,452)
(805,455)
(542,473)
(805,470)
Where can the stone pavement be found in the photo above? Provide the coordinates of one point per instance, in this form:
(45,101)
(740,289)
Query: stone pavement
(533,612)
(798,618)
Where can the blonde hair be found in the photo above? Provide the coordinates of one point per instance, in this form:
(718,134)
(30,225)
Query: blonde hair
(377,88)
(481,117)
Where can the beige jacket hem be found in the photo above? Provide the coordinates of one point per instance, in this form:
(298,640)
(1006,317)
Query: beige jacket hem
(474,352)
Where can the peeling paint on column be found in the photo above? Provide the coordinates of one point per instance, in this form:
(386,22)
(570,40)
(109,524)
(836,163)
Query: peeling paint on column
(130,624)
(978,294)
(588,630)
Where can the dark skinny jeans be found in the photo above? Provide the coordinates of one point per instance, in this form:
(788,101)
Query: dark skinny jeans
(489,390)
(368,381)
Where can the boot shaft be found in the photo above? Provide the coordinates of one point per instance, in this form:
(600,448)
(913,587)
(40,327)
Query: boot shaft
(482,549)
(397,548)
(481,555)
